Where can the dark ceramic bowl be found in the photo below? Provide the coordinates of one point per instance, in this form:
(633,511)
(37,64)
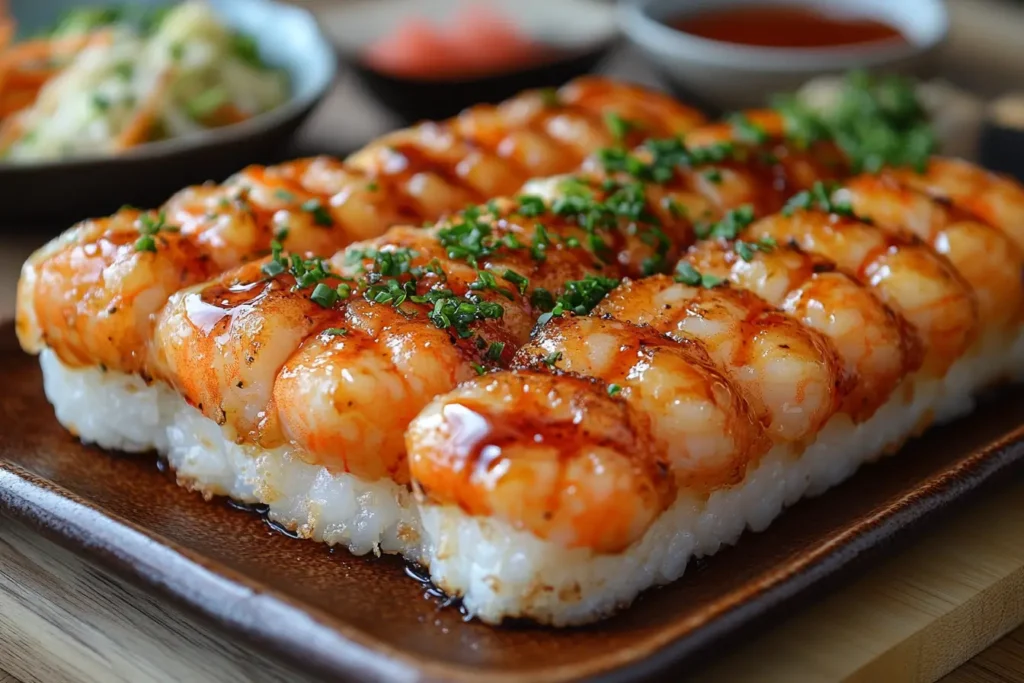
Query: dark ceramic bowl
(1001,147)
(581,33)
(55,192)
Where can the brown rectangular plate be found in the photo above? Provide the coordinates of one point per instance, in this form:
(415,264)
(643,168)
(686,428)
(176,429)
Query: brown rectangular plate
(364,619)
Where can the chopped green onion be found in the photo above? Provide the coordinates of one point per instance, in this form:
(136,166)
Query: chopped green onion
(145,243)
(687,274)
(495,350)
(246,49)
(521,282)
(204,104)
(321,216)
(324,295)
(618,126)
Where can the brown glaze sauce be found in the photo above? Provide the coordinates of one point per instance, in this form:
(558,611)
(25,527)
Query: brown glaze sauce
(786,27)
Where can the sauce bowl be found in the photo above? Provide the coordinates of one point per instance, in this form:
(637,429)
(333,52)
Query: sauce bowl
(724,76)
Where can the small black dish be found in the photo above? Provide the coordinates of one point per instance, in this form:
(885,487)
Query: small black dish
(55,193)
(1001,145)
(415,100)
(580,34)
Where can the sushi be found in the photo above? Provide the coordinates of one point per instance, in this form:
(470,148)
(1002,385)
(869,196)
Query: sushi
(554,399)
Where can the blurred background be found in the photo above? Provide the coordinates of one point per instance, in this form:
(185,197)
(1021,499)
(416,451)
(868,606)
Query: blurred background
(127,102)
(981,53)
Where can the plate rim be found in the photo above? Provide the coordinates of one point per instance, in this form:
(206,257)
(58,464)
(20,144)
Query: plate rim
(300,634)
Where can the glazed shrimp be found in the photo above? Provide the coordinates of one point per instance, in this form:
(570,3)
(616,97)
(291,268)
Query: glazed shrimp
(489,151)
(877,346)
(757,139)
(90,295)
(907,275)
(790,374)
(322,394)
(651,114)
(987,258)
(995,199)
(553,455)
(317,205)
(220,344)
(710,433)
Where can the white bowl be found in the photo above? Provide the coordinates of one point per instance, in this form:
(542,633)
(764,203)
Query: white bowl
(728,76)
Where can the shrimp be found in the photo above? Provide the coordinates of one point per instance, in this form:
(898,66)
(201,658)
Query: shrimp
(318,382)
(710,433)
(987,258)
(877,346)
(995,199)
(553,455)
(906,274)
(790,374)
(755,139)
(91,294)
(310,205)
(651,115)
(220,344)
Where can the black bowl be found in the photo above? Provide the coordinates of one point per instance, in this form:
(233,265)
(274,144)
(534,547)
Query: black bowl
(413,100)
(1001,145)
(579,34)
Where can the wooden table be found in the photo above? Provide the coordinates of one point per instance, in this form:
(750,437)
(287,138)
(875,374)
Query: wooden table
(915,617)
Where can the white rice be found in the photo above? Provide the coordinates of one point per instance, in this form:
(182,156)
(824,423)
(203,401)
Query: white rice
(501,572)
(122,412)
(498,571)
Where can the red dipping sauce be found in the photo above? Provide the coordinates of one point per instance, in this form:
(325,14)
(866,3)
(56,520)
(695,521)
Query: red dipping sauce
(782,26)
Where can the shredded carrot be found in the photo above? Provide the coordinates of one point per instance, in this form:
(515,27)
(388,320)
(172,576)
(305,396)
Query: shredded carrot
(138,129)
(15,100)
(227,114)
(45,48)
(29,78)
(25,67)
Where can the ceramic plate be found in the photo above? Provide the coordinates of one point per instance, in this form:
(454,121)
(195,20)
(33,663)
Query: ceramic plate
(363,618)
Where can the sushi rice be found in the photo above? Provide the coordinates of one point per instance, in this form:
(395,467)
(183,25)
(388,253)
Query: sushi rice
(501,572)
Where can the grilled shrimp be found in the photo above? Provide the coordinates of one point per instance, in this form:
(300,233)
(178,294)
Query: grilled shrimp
(553,455)
(651,115)
(709,432)
(714,182)
(907,275)
(782,169)
(320,380)
(790,374)
(987,258)
(877,346)
(318,205)
(90,294)
(221,343)
(997,200)
(489,151)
